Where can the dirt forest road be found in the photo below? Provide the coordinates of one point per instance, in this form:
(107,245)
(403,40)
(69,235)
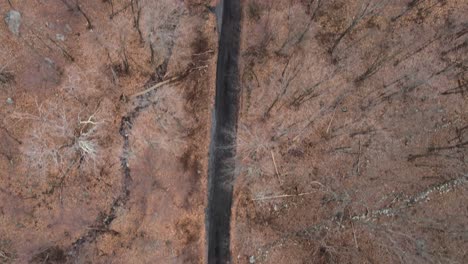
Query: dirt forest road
(222,149)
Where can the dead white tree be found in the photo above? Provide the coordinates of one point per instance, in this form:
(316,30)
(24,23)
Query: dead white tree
(59,138)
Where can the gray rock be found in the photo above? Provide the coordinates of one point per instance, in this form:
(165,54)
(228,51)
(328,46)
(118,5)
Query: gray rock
(252,259)
(50,62)
(13,20)
(9,100)
(60,37)
(68,29)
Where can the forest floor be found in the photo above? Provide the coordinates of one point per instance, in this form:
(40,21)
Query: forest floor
(353,134)
(352,143)
(96,164)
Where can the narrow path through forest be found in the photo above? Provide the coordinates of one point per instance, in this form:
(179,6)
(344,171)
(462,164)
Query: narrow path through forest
(223,136)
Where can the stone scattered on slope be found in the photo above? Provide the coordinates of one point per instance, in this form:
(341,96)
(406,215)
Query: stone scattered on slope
(13,20)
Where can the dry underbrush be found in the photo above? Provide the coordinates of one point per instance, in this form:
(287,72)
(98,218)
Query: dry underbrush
(352,136)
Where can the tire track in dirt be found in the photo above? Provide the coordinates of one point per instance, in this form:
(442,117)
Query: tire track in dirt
(223,136)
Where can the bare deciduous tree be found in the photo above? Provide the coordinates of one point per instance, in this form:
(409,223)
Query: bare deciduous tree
(365,11)
(58,139)
(290,71)
(294,39)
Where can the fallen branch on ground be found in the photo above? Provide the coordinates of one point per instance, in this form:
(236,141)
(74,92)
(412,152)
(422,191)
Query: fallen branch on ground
(276,167)
(280,196)
(154,87)
(170,80)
